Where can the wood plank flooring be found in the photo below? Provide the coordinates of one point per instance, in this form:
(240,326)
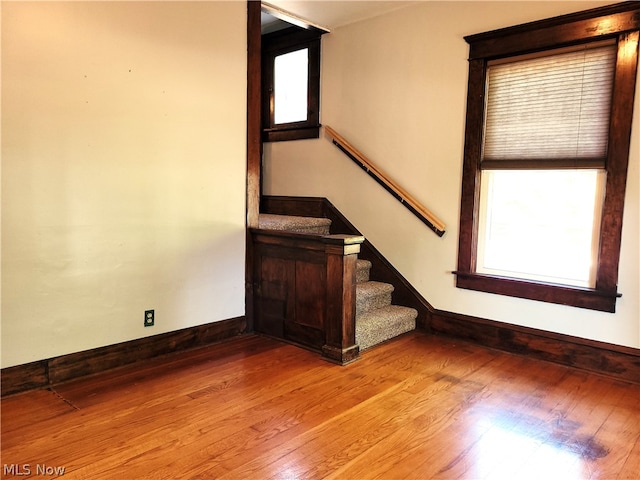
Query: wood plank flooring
(418,407)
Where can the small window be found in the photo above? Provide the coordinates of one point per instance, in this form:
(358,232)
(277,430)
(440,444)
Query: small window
(549,113)
(291,85)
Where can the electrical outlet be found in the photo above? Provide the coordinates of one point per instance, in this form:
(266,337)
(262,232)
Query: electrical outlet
(149,318)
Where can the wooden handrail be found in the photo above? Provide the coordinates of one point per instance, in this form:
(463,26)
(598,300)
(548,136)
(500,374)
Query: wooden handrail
(383,179)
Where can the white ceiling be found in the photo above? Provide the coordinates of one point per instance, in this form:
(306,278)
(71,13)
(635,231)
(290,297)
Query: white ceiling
(332,14)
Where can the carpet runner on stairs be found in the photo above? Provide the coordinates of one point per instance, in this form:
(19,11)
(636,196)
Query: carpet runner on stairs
(377,320)
(295,224)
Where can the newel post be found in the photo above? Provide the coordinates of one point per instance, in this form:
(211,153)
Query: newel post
(340,315)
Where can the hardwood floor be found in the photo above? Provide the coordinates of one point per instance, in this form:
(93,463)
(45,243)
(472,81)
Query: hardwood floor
(254,408)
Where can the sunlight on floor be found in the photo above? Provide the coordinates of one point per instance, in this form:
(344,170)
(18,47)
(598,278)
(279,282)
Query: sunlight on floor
(288,474)
(526,448)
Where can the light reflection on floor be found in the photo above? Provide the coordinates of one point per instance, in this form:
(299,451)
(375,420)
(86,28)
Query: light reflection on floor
(525,447)
(508,444)
(287,474)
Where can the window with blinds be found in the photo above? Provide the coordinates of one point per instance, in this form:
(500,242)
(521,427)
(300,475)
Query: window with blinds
(547,140)
(549,111)
(545,146)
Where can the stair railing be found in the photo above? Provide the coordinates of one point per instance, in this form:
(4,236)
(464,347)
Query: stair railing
(427,217)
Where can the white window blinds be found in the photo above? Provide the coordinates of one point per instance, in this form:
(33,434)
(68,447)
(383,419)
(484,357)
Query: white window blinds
(550,111)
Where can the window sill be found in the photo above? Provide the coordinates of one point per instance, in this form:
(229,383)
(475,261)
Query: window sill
(286,134)
(588,298)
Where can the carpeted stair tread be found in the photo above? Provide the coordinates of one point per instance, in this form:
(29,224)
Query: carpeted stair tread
(372,295)
(381,324)
(292,223)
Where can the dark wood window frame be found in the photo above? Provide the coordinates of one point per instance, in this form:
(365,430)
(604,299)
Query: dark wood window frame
(279,43)
(619,21)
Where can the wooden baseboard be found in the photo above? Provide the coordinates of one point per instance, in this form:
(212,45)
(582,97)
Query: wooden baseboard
(621,363)
(42,373)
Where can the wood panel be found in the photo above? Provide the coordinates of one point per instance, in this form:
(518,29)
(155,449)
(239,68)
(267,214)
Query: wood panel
(291,294)
(252,407)
(301,206)
(273,307)
(66,367)
(304,290)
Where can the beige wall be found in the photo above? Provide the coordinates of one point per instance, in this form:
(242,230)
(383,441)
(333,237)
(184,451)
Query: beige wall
(123,171)
(395,86)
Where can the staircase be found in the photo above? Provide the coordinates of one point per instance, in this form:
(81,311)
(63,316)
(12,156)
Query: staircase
(377,320)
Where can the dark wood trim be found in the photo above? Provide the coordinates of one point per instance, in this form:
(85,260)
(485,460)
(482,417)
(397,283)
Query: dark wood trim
(301,206)
(289,39)
(43,373)
(544,164)
(254,144)
(21,378)
(591,299)
(617,162)
(587,25)
(288,134)
(470,197)
(254,122)
(622,363)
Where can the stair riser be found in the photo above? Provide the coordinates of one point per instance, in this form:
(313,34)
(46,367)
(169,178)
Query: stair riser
(362,274)
(368,337)
(296,224)
(364,305)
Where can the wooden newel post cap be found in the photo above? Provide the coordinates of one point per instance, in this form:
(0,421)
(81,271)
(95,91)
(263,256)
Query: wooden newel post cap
(342,244)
